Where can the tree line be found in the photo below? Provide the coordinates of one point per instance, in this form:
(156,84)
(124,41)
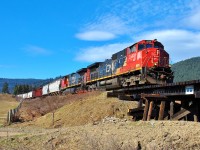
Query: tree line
(18,89)
(21,89)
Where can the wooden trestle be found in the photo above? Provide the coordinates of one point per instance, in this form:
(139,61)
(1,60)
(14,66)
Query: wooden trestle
(164,108)
(175,101)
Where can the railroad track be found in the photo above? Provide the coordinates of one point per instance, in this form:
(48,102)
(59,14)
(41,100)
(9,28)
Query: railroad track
(172,101)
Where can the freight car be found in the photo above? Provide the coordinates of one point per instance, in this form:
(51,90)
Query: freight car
(145,62)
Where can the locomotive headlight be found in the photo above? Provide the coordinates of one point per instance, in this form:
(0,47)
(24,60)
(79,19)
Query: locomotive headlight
(155,64)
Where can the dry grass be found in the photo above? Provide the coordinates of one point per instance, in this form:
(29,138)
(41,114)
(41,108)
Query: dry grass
(6,102)
(92,109)
(73,110)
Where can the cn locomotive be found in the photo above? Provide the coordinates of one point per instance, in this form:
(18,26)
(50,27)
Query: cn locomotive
(145,62)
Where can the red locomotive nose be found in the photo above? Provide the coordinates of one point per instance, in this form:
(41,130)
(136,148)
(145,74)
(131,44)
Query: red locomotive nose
(163,58)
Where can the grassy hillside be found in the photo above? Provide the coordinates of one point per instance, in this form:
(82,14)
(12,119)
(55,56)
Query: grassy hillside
(74,110)
(186,70)
(92,109)
(6,102)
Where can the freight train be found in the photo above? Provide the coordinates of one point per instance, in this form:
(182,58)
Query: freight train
(145,62)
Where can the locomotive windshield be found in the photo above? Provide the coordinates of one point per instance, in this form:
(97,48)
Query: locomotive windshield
(158,45)
(149,45)
(132,48)
(143,46)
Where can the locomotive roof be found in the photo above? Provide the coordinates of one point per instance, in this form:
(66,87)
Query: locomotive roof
(65,76)
(96,64)
(82,70)
(72,73)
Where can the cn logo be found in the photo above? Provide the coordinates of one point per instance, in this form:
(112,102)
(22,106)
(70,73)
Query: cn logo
(108,68)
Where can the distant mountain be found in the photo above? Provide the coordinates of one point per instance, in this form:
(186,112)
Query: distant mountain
(187,70)
(32,82)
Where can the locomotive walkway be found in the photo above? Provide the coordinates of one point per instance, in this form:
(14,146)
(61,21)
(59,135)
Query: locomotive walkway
(172,101)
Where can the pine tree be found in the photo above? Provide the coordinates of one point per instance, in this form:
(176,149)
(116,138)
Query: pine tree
(16,90)
(20,89)
(5,88)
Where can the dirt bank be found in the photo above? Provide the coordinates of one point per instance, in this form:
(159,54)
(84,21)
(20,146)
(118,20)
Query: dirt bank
(108,135)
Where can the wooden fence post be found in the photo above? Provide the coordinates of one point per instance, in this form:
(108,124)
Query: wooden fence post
(12,113)
(8,117)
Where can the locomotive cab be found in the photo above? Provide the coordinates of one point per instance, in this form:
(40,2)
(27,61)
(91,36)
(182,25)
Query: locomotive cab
(146,53)
(161,57)
(148,62)
(155,61)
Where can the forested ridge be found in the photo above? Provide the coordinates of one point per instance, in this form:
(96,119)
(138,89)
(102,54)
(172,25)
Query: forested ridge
(187,70)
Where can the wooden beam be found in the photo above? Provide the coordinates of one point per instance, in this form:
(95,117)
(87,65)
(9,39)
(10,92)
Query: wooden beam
(171,109)
(183,112)
(126,97)
(178,102)
(196,111)
(197,94)
(150,110)
(185,105)
(136,109)
(162,109)
(166,118)
(145,110)
(157,97)
(195,118)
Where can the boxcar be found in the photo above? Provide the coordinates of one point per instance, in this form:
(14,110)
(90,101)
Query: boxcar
(25,95)
(37,92)
(54,86)
(45,89)
(30,94)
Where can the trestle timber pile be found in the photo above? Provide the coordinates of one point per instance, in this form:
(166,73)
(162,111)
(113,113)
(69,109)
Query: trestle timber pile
(140,72)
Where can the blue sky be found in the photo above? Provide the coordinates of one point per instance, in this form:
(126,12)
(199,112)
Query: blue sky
(47,38)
